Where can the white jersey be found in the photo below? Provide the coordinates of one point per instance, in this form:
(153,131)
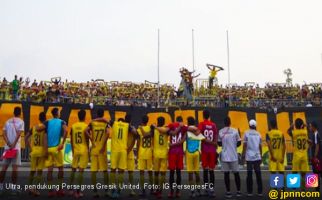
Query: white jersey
(11,127)
(229,138)
(253,139)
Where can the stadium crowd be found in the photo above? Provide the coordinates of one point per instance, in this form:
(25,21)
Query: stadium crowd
(273,95)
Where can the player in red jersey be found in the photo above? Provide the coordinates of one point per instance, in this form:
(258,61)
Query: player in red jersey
(208,151)
(177,133)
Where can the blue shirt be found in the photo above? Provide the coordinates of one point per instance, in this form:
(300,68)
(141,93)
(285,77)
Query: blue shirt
(54,129)
(192,145)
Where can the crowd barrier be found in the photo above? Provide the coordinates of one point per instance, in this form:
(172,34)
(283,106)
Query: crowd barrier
(239,118)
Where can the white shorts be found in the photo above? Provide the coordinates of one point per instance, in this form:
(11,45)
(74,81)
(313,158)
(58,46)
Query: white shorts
(13,161)
(229,166)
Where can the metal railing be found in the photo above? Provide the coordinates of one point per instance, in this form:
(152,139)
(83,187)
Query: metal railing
(201,101)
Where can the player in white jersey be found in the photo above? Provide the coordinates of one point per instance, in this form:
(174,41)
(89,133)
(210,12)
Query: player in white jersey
(229,139)
(252,153)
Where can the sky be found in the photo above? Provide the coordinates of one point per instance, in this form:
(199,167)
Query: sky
(116,40)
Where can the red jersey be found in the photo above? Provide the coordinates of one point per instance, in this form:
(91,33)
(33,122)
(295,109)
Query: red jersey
(177,138)
(209,130)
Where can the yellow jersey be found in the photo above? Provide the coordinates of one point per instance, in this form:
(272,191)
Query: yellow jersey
(160,144)
(37,142)
(120,132)
(79,141)
(300,142)
(99,136)
(277,141)
(146,146)
(213,73)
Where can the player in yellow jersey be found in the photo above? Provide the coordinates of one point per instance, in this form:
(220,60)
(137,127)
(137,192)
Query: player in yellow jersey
(98,134)
(119,136)
(276,145)
(193,155)
(37,156)
(145,152)
(79,142)
(131,141)
(160,154)
(301,143)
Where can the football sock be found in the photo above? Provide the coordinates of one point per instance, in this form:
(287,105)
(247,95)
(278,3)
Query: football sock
(227,181)
(31,177)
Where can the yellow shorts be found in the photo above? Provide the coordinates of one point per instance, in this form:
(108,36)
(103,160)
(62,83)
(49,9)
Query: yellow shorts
(130,164)
(276,166)
(55,158)
(145,164)
(37,163)
(300,164)
(119,160)
(99,162)
(160,164)
(193,161)
(80,161)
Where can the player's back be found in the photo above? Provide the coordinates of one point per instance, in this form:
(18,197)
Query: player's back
(276,139)
(79,138)
(54,131)
(178,149)
(300,142)
(98,129)
(160,144)
(192,144)
(119,137)
(37,142)
(145,148)
(209,130)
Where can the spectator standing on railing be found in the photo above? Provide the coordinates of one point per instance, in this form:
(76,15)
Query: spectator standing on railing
(13,129)
(15,88)
(3,88)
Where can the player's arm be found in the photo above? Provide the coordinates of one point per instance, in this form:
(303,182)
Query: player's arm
(310,143)
(101,120)
(219,141)
(45,141)
(107,132)
(260,148)
(194,130)
(41,127)
(89,135)
(244,147)
(183,139)
(196,76)
(162,129)
(27,141)
(238,139)
(6,138)
(130,148)
(270,149)
(18,135)
(147,134)
(284,149)
(72,140)
(317,147)
(290,130)
(208,66)
(176,131)
(64,127)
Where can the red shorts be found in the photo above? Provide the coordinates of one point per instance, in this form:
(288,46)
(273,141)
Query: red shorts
(175,161)
(208,160)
